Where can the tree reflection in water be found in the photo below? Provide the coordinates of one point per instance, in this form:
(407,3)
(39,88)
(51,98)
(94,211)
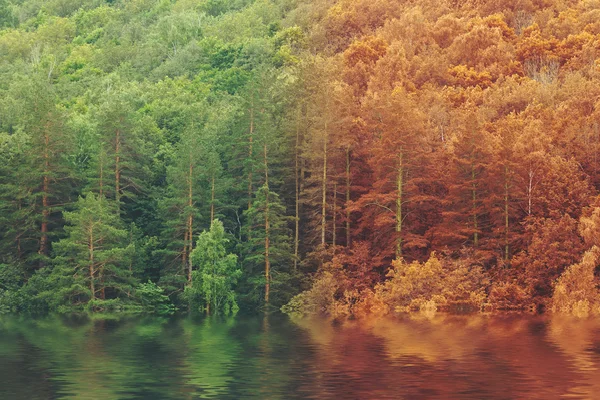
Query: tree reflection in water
(441,356)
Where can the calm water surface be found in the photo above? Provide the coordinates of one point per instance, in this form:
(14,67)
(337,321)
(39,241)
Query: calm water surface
(444,357)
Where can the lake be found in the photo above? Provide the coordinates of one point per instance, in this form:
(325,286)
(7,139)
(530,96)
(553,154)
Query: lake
(418,357)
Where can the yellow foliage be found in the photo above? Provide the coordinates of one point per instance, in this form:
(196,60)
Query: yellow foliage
(426,287)
(497,21)
(589,227)
(465,77)
(508,295)
(368,51)
(576,291)
(433,284)
(322,298)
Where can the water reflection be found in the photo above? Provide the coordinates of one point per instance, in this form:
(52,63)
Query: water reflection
(462,357)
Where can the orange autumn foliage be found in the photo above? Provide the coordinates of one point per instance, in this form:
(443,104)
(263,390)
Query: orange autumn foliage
(470,128)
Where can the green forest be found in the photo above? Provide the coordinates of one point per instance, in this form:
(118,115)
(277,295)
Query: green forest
(344,157)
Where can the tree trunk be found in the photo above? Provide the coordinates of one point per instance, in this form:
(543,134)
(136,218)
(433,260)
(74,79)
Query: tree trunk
(399,187)
(474,199)
(347,196)
(190,242)
(297,193)
(267,230)
(18,240)
(250,155)
(267,244)
(43,251)
(506,226)
(101,281)
(45,214)
(324,190)
(212,200)
(91,267)
(101,183)
(19,234)
(184,261)
(333,214)
(190,221)
(530,191)
(118,169)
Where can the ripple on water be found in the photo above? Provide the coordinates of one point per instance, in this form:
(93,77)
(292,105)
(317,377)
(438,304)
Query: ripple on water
(453,357)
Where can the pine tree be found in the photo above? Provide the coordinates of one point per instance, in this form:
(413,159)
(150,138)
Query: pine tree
(195,185)
(91,263)
(181,205)
(268,260)
(120,163)
(465,216)
(16,225)
(395,156)
(39,186)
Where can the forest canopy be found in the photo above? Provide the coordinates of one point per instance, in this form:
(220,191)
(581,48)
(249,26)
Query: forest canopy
(337,156)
